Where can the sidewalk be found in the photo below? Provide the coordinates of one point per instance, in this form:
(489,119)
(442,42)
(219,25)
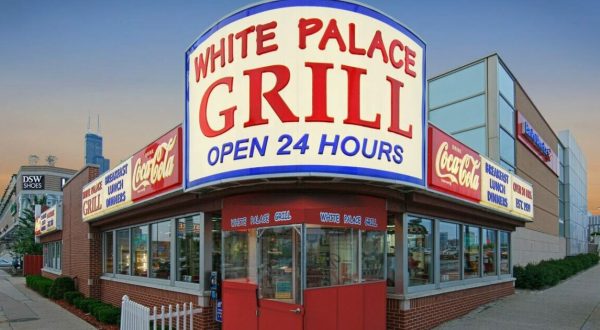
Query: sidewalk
(21,308)
(573,304)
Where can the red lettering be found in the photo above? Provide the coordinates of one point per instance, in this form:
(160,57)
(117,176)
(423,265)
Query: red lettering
(395,86)
(332,32)
(261,37)
(377,43)
(230,48)
(282,78)
(353,49)
(409,61)
(353,118)
(319,92)
(200,64)
(227,113)
(307,27)
(396,44)
(244,36)
(217,54)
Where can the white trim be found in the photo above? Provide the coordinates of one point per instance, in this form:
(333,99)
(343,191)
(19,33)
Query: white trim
(199,293)
(52,271)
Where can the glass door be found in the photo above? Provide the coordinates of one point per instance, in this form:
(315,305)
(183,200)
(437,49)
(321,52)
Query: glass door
(279,277)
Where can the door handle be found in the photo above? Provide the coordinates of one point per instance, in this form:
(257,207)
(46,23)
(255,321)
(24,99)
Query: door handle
(297,310)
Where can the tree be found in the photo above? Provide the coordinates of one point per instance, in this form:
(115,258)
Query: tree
(23,241)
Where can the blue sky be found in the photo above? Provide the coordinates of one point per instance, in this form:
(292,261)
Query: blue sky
(124,60)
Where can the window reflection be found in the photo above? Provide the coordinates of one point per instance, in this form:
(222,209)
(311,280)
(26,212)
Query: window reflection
(188,249)
(123,260)
(471,251)
(449,252)
(372,255)
(108,252)
(331,256)
(139,244)
(420,251)
(489,252)
(504,252)
(161,250)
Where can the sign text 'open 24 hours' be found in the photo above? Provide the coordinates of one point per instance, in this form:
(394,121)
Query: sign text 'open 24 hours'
(289,89)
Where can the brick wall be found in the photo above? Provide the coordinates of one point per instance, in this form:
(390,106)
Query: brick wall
(51,276)
(112,292)
(79,248)
(428,312)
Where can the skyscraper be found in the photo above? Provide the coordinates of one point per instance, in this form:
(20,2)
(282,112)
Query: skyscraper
(93,149)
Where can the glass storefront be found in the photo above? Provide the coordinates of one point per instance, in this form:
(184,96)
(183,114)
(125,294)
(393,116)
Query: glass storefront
(161,250)
(471,254)
(420,249)
(331,256)
(139,247)
(449,251)
(188,249)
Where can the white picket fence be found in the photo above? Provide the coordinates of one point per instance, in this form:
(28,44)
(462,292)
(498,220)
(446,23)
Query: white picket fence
(136,316)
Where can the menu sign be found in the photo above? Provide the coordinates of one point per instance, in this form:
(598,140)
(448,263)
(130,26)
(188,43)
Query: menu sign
(522,197)
(107,193)
(48,221)
(157,167)
(496,185)
(455,168)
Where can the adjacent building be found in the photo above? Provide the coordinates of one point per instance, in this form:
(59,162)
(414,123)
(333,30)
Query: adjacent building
(573,200)
(594,225)
(32,181)
(482,105)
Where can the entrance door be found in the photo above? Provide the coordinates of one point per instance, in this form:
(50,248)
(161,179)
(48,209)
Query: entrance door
(279,270)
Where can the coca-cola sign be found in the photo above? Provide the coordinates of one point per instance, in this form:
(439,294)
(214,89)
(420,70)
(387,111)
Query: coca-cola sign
(157,167)
(453,167)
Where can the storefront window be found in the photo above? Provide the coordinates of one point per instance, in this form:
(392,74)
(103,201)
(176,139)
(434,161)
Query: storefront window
(51,255)
(420,251)
(235,245)
(108,252)
(449,251)
(373,255)
(391,252)
(504,253)
(489,252)
(279,264)
(123,259)
(471,251)
(161,250)
(139,246)
(331,256)
(188,249)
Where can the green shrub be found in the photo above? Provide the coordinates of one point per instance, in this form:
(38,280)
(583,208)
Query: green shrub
(109,315)
(95,308)
(60,286)
(77,301)
(548,273)
(39,284)
(71,295)
(86,304)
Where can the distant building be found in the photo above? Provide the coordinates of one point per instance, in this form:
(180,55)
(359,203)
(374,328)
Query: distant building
(30,182)
(573,194)
(594,224)
(93,152)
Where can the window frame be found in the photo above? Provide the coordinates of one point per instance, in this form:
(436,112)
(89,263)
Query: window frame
(52,257)
(172,282)
(438,284)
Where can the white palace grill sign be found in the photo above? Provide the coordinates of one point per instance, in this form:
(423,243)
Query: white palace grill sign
(289,89)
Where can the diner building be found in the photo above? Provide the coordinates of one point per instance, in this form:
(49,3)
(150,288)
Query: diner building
(307,189)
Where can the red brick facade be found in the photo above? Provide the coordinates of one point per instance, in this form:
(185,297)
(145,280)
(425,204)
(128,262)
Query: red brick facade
(79,247)
(429,312)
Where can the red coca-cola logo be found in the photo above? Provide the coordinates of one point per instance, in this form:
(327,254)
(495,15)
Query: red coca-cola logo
(453,167)
(157,167)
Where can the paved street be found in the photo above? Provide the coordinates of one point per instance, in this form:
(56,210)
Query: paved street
(21,308)
(573,304)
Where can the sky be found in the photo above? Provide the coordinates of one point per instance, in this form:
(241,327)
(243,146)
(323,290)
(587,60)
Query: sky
(62,61)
